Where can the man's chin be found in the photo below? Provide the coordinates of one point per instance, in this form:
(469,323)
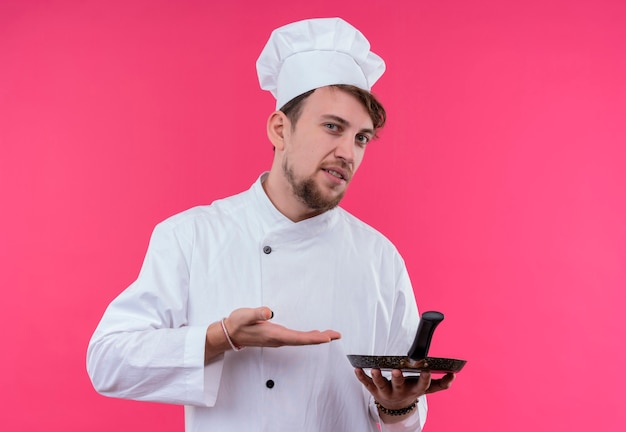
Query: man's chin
(318,195)
(322,203)
(332,200)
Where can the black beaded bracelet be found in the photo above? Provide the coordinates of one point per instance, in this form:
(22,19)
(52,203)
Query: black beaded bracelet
(396,412)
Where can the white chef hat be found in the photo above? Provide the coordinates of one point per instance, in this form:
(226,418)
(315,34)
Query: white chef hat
(313,53)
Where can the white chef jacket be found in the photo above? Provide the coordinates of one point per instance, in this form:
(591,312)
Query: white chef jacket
(331,271)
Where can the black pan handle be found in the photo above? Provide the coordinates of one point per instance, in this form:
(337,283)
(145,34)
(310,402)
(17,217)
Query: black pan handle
(424,335)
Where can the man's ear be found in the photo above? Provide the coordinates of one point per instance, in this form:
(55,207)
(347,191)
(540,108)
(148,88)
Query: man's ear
(277,126)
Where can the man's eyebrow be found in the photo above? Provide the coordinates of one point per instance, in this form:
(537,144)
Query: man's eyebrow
(345,123)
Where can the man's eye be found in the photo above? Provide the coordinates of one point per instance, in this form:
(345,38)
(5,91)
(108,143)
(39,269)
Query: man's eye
(362,139)
(331,126)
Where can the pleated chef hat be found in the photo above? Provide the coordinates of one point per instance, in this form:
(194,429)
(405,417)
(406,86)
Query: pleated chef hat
(314,53)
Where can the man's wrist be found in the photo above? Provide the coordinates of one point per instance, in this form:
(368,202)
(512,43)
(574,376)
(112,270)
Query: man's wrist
(215,342)
(232,344)
(396,412)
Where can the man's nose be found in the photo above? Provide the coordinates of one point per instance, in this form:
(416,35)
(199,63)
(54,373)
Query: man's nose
(345,149)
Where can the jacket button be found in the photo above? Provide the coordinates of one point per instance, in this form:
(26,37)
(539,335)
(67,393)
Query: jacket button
(269,384)
(267,249)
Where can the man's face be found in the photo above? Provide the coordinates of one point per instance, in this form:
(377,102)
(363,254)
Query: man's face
(325,147)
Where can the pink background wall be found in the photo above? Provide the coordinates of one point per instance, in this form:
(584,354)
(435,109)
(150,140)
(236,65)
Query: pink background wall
(500,177)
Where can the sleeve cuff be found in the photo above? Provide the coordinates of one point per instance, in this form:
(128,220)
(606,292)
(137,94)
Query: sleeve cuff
(203,381)
(412,423)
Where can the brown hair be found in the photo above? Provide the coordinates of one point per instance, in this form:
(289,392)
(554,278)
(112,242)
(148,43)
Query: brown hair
(375,109)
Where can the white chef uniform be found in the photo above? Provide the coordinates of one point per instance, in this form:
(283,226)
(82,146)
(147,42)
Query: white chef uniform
(331,271)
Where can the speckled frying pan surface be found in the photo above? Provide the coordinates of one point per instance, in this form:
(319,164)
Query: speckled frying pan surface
(432,364)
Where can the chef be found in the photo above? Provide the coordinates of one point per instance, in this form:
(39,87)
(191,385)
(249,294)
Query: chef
(244,310)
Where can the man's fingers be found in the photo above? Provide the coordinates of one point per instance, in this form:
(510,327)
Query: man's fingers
(379,380)
(363,377)
(424,381)
(265,313)
(446,381)
(441,384)
(366,380)
(245,316)
(313,337)
(397,379)
(332,334)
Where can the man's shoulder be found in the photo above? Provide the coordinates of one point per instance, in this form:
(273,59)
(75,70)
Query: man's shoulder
(362,230)
(218,210)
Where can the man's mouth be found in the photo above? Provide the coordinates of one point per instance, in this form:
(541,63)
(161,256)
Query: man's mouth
(335,173)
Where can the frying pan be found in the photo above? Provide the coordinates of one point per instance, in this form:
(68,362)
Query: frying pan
(416,360)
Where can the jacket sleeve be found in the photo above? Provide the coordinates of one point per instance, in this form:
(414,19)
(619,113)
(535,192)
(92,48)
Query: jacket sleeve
(143,347)
(405,317)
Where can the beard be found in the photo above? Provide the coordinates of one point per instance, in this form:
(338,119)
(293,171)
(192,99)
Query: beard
(309,193)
